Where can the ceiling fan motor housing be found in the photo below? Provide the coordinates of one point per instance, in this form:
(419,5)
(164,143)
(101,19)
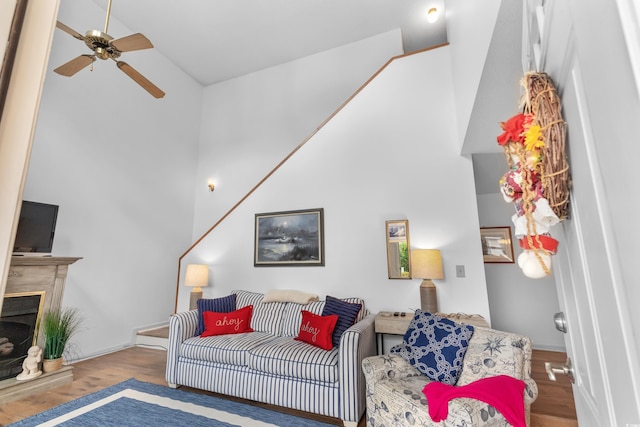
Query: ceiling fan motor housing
(99,42)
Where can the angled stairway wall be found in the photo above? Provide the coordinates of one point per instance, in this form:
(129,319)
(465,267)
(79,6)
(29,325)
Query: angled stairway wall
(390,153)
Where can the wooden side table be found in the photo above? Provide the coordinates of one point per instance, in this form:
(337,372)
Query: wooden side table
(387,323)
(397,323)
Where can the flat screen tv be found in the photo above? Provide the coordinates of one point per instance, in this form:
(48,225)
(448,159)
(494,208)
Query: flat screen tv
(36,229)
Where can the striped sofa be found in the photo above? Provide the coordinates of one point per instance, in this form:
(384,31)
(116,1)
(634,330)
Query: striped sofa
(269,366)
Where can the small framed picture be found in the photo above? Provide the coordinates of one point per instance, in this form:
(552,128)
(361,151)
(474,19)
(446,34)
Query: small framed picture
(496,244)
(398,253)
(292,238)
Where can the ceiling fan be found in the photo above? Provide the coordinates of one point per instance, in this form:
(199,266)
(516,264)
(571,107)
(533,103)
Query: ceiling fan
(106,47)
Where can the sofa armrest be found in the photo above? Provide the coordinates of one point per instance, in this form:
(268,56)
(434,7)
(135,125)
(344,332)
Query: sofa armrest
(386,366)
(530,391)
(181,326)
(531,388)
(357,343)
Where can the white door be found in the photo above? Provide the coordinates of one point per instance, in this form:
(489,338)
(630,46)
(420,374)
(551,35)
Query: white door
(575,45)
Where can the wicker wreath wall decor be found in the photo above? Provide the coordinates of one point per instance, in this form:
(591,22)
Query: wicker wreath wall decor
(538,181)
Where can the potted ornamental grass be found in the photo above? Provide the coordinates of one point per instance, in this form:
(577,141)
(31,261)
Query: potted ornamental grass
(58,326)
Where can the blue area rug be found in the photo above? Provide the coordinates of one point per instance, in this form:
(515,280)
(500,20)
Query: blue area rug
(134,403)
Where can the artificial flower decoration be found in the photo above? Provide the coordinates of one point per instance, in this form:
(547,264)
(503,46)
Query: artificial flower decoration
(513,130)
(533,138)
(538,182)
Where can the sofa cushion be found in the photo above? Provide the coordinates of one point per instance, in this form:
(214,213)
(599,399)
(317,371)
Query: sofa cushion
(230,349)
(317,330)
(492,352)
(288,357)
(346,312)
(234,322)
(267,317)
(219,305)
(435,346)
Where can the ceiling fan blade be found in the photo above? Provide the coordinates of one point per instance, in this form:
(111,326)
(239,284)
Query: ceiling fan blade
(140,79)
(69,30)
(75,65)
(133,42)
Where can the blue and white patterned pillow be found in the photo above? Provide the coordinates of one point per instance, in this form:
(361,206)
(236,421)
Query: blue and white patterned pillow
(435,346)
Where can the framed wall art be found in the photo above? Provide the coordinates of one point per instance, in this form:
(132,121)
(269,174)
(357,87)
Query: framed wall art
(292,238)
(496,244)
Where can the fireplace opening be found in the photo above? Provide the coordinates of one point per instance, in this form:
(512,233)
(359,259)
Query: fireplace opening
(19,321)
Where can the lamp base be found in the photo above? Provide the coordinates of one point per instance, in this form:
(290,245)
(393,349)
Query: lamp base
(428,296)
(195,295)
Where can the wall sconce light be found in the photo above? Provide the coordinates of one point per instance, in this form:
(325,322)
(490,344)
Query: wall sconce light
(211,186)
(426,264)
(432,15)
(197,276)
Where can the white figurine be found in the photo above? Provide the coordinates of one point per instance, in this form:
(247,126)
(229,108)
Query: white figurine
(31,364)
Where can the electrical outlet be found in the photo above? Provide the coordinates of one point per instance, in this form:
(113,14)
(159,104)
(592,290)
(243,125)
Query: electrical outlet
(459,270)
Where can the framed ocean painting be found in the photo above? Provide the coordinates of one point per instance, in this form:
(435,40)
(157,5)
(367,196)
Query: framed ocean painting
(290,238)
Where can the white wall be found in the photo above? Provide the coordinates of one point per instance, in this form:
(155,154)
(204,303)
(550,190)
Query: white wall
(517,303)
(470,26)
(389,154)
(252,122)
(121,165)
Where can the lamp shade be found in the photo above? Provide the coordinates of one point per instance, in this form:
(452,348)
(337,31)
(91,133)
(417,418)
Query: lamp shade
(426,264)
(197,275)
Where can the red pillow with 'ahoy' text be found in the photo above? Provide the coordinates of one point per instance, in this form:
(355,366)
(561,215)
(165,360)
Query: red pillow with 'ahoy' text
(235,322)
(317,330)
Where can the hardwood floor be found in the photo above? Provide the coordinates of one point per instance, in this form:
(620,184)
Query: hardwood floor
(90,376)
(553,408)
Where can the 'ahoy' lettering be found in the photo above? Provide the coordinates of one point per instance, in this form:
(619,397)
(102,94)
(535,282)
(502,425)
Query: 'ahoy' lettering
(230,322)
(311,330)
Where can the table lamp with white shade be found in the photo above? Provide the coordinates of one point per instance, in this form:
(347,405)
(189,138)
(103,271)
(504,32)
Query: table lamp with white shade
(426,264)
(197,277)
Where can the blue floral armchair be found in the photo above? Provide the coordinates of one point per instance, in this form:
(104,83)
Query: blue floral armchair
(394,393)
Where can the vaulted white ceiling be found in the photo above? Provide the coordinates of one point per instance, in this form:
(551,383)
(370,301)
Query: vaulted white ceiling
(215,40)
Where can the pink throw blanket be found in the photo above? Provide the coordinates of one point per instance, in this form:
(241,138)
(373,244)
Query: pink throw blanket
(503,392)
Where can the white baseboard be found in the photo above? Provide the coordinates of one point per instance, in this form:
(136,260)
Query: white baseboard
(150,327)
(155,342)
(100,353)
(550,348)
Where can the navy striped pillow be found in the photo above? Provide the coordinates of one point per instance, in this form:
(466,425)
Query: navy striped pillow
(347,313)
(219,305)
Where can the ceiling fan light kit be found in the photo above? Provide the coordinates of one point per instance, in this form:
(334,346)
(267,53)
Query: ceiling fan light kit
(106,47)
